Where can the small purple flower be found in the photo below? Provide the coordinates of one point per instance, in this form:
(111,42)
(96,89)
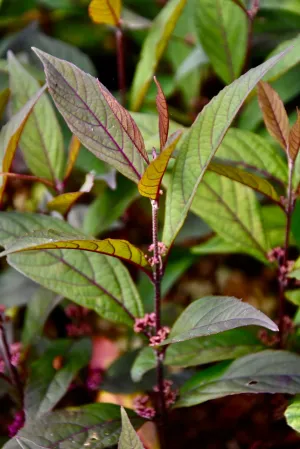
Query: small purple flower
(17,424)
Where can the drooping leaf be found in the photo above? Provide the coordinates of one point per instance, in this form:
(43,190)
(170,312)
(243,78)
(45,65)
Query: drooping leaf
(105,11)
(64,202)
(213,348)
(294,139)
(41,141)
(249,150)
(10,136)
(72,155)
(149,184)
(222,31)
(248,179)
(233,212)
(52,239)
(46,385)
(129,439)
(214,314)
(109,206)
(37,312)
(274,113)
(4,97)
(92,280)
(163,115)
(292,414)
(200,144)
(96,424)
(264,372)
(153,49)
(90,117)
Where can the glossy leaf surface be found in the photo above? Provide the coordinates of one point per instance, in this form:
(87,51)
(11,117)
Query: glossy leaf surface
(80,100)
(214,314)
(200,144)
(92,280)
(98,425)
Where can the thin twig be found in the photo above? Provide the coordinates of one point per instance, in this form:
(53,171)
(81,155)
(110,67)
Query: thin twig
(121,64)
(29,178)
(282,279)
(157,275)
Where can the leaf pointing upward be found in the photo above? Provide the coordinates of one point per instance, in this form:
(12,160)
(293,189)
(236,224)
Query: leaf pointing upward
(274,113)
(294,139)
(163,115)
(201,143)
(54,240)
(10,136)
(91,117)
(151,180)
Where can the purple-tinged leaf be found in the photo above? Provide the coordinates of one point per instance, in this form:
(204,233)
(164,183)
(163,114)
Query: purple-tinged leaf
(91,118)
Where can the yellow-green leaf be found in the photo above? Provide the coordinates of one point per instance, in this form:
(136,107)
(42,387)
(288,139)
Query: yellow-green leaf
(63,203)
(248,179)
(149,184)
(73,153)
(153,48)
(54,240)
(105,11)
(10,136)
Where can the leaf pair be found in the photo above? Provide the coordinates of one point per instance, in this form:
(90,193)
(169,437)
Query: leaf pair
(277,122)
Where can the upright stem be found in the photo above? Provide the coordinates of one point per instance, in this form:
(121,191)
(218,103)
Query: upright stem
(282,283)
(157,275)
(120,63)
(13,373)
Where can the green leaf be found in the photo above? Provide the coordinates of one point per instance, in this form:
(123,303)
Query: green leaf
(109,206)
(291,59)
(47,385)
(233,212)
(153,49)
(92,280)
(249,150)
(194,61)
(63,203)
(293,296)
(4,97)
(198,351)
(206,134)
(94,116)
(16,289)
(222,30)
(214,314)
(292,413)
(10,136)
(216,245)
(287,5)
(37,312)
(98,425)
(261,185)
(48,240)
(41,141)
(129,439)
(264,372)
